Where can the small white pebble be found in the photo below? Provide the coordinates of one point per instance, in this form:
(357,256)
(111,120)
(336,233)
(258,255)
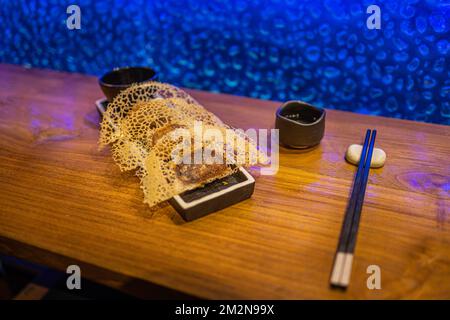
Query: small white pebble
(353,155)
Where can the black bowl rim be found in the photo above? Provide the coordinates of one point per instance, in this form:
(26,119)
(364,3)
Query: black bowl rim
(106,84)
(321,110)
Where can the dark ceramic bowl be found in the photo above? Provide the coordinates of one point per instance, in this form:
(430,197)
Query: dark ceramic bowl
(119,79)
(300,125)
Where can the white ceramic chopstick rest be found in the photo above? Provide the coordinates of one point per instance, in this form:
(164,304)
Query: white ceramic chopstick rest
(354,153)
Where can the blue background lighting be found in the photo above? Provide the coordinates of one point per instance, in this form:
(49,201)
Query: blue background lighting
(317,51)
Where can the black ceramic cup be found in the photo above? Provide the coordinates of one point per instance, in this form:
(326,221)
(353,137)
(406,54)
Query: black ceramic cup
(300,125)
(119,79)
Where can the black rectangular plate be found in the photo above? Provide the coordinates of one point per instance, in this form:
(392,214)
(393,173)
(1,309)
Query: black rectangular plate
(214,196)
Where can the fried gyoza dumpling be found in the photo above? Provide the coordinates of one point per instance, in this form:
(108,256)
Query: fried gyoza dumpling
(149,124)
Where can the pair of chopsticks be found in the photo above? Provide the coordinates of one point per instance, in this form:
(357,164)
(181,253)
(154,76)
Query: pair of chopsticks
(340,276)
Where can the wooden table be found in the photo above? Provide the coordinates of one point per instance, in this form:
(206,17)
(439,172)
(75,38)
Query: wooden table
(62,201)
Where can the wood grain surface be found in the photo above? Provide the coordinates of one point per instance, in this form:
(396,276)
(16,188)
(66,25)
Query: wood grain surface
(61,195)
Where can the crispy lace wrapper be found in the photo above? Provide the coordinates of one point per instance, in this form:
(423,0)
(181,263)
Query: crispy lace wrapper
(147,125)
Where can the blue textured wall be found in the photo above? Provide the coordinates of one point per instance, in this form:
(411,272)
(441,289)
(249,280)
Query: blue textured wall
(318,51)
